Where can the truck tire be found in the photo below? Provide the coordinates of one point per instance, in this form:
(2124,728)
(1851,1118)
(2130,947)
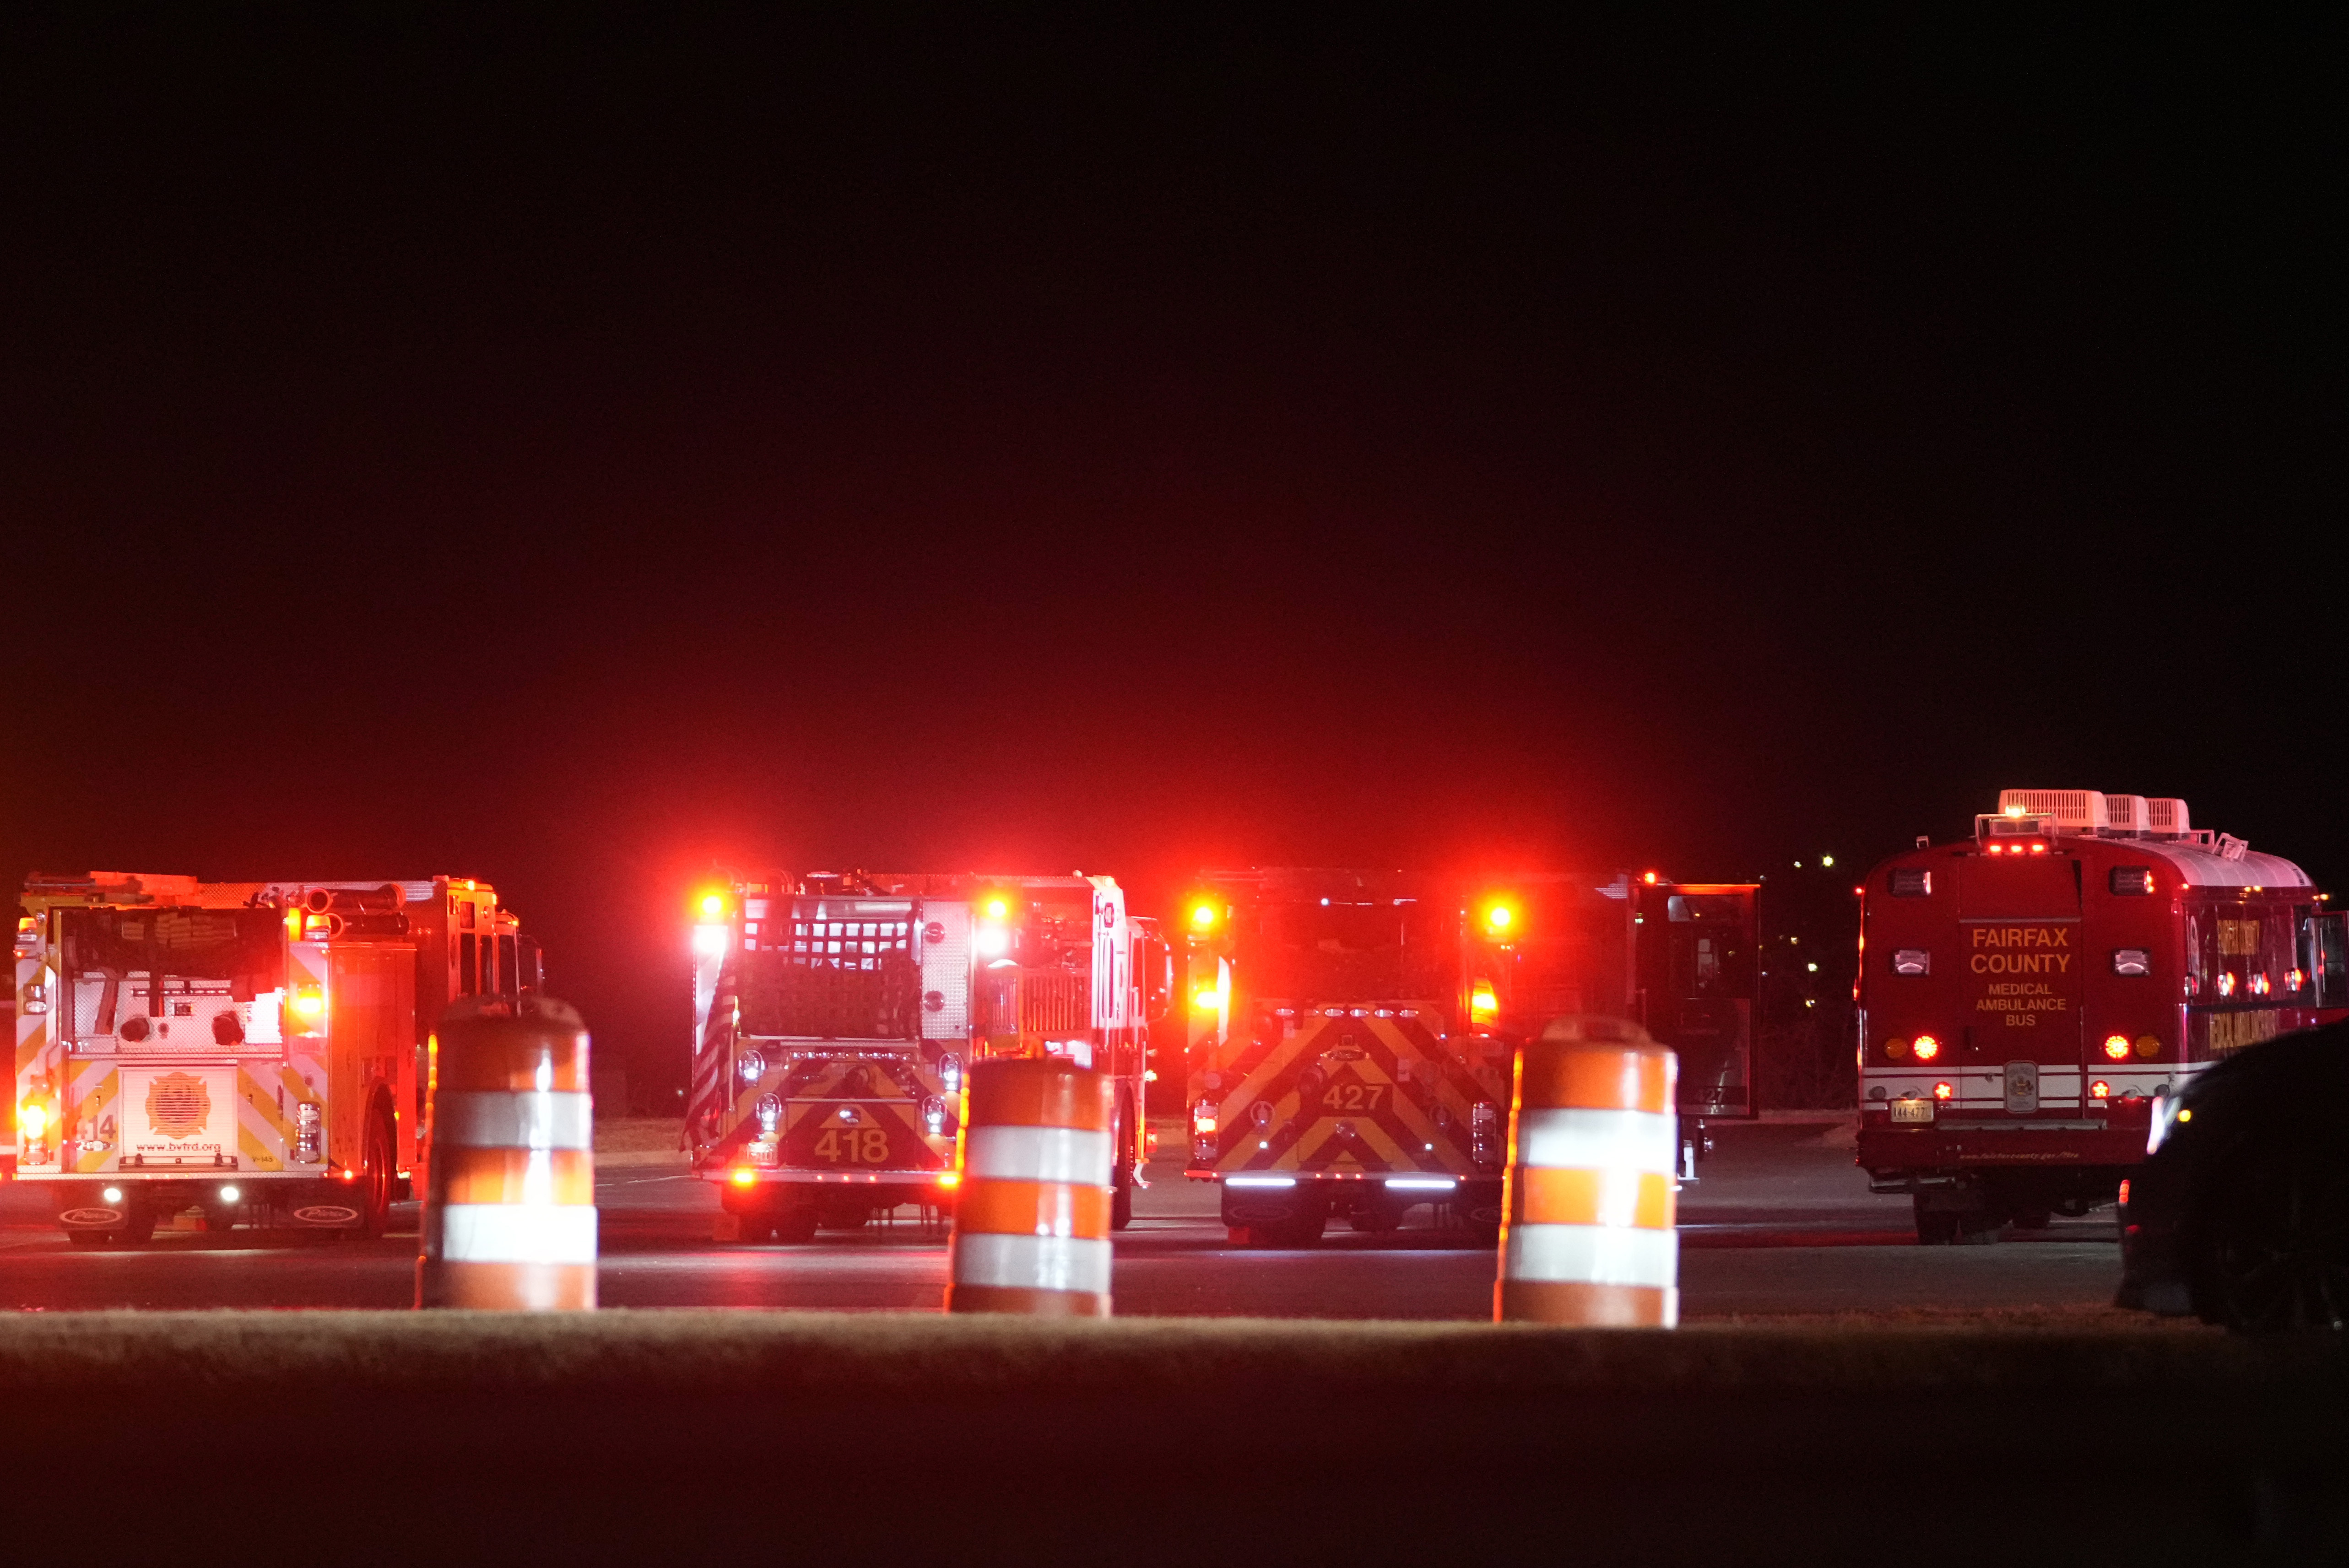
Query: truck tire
(1942,1226)
(1121,1179)
(376,1175)
(794,1226)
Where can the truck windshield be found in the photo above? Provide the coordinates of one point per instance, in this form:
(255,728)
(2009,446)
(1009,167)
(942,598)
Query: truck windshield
(1389,950)
(243,949)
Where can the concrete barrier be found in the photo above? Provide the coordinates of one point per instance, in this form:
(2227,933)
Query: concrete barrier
(608,1433)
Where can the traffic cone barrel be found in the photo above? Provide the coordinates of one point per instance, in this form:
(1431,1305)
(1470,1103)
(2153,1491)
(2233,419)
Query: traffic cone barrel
(1032,1210)
(510,1197)
(1588,1235)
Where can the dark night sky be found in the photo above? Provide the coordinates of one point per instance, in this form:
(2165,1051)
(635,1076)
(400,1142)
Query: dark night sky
(569,450)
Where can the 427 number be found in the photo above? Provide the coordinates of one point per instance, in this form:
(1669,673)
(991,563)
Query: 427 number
(1364,1097)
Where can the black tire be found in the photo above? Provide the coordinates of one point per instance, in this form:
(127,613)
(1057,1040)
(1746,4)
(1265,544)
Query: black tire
(2033,1219)
(1955,1227)
(140,1227)
(378,1173)
(793,1227)
(1376,1218)
(2271,1247)
(220,1220)
(90,1238)
(1121,1180)
(1302,1229)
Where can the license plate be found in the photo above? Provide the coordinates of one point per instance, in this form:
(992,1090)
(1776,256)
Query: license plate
(1912,1111)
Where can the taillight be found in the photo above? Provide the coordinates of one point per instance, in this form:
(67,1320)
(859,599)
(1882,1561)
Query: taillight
(1945,1090)
(2116,1048)
(2100,1089)
(1484,1006)
(1926,1047)
(2124,1181)
(1203,1117)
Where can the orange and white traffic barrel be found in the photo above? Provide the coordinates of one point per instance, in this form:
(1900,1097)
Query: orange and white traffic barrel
(1032,1208)
(509,1194)
(1588,1234)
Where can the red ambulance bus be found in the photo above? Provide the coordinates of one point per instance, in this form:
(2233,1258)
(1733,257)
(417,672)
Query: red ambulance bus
(2029,994)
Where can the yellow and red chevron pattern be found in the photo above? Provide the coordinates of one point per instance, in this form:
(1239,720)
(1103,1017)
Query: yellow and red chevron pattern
(1360,1087)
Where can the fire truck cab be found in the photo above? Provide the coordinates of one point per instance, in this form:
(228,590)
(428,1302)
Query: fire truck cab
(837,1014)
(1353,1033)
(252,1052)
(2030,995)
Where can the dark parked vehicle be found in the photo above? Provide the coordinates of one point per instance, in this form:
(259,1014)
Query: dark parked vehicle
(2240,1215)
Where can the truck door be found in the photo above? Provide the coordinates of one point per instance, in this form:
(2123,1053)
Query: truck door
(2021,961)
(2329,963)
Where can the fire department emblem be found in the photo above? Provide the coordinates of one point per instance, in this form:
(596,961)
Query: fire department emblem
(179,1105)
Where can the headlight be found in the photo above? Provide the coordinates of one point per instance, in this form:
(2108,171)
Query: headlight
(32,1120)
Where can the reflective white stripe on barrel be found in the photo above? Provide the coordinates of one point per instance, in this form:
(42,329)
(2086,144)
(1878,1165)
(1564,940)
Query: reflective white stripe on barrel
(1032,1263)
(1593,1254)
(521,1119)
(1037,1154)
(518,1234)
(1575,1139)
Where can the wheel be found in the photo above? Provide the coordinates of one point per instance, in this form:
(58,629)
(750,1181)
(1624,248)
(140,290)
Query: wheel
(1302,1229)
(90,1238)
(1376,1218)
(219,1221)
(1121,1181)
(2272,1250)
(843,1216)
(1954,1227)
(2032,1218)
(378,1175)
(140,1227)
(794,1227)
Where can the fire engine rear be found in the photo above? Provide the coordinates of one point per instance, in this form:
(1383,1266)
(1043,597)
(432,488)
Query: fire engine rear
(2031,997)
(1353,1033)
(249,1051)
(836,1016)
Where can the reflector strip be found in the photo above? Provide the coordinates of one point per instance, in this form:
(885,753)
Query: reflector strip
(1594,1140)
(490,1119)
(1037,1154)
(1592,1255)
(517,1233)
(1032,1263)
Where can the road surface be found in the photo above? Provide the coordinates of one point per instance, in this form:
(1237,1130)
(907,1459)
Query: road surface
(1779,1224)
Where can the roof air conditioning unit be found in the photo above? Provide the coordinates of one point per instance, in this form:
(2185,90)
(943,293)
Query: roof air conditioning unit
(2125,817)
(2074,811)
(2166,819)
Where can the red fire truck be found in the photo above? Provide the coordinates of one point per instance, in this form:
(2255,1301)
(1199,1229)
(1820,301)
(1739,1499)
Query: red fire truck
(836,1016)
(252,1052)
(1352,1032)
(2029,994)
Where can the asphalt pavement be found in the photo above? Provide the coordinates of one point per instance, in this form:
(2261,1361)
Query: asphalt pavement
(1779,1224)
